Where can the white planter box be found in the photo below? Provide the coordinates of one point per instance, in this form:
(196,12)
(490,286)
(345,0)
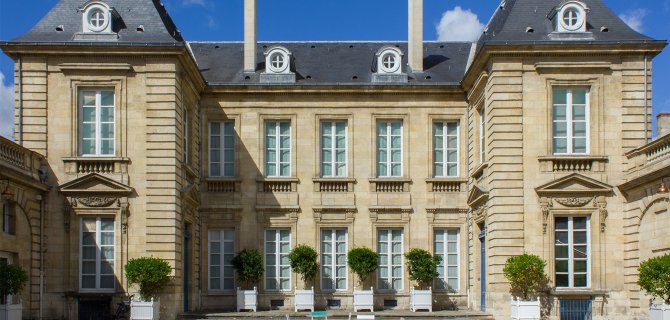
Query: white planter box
(364,300)
(659,312)
(304,299)
(421,300)
(525,310)
(145,310)
(247,299)
(11,311)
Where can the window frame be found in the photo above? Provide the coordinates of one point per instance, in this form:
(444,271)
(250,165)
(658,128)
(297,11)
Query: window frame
(97,122)
(482,134)
(98,259)
(223,148)
(569,121)
(445,255)
(334,265)
(389,263)
(333,148)
(571,246)
(389,150)
(221,263)
(445,149)
(8,218)
(278,255)
(277,148)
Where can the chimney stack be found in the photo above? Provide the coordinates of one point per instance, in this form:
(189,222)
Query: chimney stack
(662,124)
(415,32)
(250,27)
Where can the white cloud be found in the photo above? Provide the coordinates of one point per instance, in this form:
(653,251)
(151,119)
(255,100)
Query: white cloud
(634,19)
(459,25)
(6,108)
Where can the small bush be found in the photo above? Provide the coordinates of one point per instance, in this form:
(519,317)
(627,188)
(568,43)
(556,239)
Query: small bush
(655,277)
(12,279)
(362,262)
(525,274)
(303,260)
(150,274)
(248,265)
(422,266)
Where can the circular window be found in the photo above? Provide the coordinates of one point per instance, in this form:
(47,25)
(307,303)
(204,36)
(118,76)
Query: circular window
(390,62)
(278,62)
(572,19)
(97,20)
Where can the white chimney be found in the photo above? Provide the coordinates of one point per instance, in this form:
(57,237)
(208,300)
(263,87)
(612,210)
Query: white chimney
(415,32)
(250,27)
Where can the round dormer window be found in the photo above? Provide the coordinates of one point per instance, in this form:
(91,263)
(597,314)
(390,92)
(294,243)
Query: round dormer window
(97,20)
(278,62)
(390,62)
(572,18)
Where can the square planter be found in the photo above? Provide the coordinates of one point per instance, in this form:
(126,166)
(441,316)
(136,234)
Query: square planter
(304,299)
(659,312)
(247,299)
(145,310)
(525,310)
(11,311)
(421,300)
(364,300)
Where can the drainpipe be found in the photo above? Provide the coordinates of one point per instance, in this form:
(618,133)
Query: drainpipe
(646,112)
(20,93)
(41,199)
(467,212)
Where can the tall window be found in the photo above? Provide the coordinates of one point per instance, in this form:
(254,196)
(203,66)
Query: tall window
(221,252)
(445,148)
(222,149)
(278,148)
(97,254)
(482,134)
(185,131)
(97,126)
(572,252)
(334,259)
(446,247)
(334,148)
(389,247)
(570,121)
(389,149)
(277,265)
(8,218)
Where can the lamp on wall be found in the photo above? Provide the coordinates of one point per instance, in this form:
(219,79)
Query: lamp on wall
(662,188)
(7,193)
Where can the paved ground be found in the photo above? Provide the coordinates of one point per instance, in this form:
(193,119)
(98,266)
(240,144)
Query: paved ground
(340,314)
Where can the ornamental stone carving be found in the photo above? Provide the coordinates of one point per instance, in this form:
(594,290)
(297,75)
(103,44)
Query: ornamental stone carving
(573,201)
(97,202)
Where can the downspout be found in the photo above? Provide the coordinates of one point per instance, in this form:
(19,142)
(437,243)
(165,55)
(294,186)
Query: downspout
(198,212)
(646,112)
(467,211)
(41,253)
(20,93)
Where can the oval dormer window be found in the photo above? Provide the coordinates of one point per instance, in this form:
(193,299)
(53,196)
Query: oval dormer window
(572,17)
(97,20)
(278,62)
(390,62)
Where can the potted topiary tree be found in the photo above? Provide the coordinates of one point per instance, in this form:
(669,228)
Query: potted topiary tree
(12,279)
(422,268)
(655,281)
(526,276)
(248,265)
(151,275)
(303,261)
(363,262)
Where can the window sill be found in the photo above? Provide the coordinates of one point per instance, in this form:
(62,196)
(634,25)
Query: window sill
(446,185)
(392,184)
(573,163)
(570,292)
(334,184)
(94,164)
(278,184)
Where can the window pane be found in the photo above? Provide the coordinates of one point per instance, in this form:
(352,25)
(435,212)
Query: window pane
(579,223)
(88,114)
(580,280)
(579,113)
(562,266)
(88,282)
(561,237)
(579,129)
(560,129)
(579,96)
(88,130)
(560,96)
(106,114)
(106,98)
(453,170)
(107,147)
(580,266)
(562,280)
(579,145)
(561,251)
(560,113)
(88,267)
(560,145)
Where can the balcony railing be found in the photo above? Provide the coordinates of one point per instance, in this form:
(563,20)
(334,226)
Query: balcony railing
(16,157)
(333,185)
(87,165)
(446,185)
(214,185)
(569,163)
(278,185)
(384,185)
(650,155)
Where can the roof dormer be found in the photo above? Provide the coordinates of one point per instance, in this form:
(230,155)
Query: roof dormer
(97,22)
(388,66)
(571,16)
(278,66)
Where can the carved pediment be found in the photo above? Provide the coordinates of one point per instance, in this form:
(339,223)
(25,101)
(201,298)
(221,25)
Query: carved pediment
(574,184)
(95,184)
(477,195)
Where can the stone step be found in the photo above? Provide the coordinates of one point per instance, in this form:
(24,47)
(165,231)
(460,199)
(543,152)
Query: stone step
(337,314)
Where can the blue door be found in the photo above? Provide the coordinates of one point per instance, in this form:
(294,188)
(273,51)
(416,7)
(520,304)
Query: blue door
(482,267)
(575,309)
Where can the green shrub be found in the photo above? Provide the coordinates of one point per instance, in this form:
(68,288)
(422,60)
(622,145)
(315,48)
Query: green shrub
(655,277)
(422,266)
(150,274)
(248,265)
(362,262)
(12,279)
(303,260)
(525,274)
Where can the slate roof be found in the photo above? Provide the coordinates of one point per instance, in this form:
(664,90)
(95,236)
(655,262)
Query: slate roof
(510,22)
(331,62)
(158,26)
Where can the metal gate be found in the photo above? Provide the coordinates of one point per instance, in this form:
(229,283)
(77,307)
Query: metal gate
(575,309)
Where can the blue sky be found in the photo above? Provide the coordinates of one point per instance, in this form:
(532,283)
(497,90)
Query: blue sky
(209,20)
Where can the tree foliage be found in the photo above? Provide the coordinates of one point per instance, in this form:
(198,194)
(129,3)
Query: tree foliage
(525,274)
(12,279)
(303,260)
(655,277)
(248,265)
(362,262)
(150,274)
(422,266)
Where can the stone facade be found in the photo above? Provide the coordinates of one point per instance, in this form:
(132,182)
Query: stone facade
(160,188)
